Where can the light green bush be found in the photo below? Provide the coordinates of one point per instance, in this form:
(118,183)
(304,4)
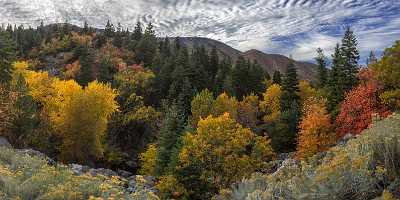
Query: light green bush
(361,169)
(24,177)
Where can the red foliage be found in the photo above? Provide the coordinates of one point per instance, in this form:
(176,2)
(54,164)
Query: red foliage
(359,106)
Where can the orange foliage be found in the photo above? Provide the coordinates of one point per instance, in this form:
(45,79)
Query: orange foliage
(360,104)
(316,131)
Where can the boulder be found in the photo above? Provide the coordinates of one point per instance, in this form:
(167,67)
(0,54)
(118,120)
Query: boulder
(123,173)
(4,142)
(38,154)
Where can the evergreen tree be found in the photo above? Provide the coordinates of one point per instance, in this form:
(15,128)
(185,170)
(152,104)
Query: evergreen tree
(214,62)
(335,81)
(26,119)
(257,78)
(86,60)
(222,74)
(118,38)
(371,58)
(290,108)
(147,47)
(290,88)
(107,70)
(240,75)
(85,29)
(137,32)
(171,130)
(276,79)
(109,30)
(350,56)
(322,70)
(7,55)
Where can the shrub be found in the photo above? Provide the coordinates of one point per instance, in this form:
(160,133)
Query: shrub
(24,177)
(361,169)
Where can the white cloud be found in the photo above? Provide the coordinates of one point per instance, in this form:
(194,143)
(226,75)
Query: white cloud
(244,24)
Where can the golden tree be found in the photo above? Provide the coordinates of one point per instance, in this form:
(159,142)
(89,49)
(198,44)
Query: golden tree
(224,151)
(271,104)
(225,104)
(316,131)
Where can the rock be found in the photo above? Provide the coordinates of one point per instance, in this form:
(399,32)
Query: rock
(4,142)
(124,174)
(102,171)
(78,169)
(131,164)
(34,153)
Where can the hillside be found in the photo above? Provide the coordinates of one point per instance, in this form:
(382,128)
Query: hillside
(269,62)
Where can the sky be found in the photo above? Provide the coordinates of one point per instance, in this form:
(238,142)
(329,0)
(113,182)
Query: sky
(288,27)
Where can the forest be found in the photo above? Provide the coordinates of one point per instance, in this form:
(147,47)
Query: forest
(204,125)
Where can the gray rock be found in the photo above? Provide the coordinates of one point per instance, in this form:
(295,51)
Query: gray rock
(38,154)
(102,171)
(124,174)
(78,169)
(4,142)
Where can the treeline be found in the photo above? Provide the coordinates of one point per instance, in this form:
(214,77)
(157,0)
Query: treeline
(195,120)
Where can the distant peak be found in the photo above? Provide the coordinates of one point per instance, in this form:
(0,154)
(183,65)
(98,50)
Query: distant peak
(254,51)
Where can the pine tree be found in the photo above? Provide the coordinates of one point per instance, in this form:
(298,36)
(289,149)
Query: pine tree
(109,30)
(290,88)
(350,56)
(85,29)
(137,32)
(214,63)
(107,70)
(147,47)
(118,38)
(7,54)
(240,75)
(86,59)
(171,130)
(371,59)
(257,78)
(276,79)
(335,81)
(322,70)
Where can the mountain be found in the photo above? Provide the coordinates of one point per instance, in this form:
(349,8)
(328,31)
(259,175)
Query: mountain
(270,62)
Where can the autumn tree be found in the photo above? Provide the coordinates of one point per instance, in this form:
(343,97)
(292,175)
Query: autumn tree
(201,106)
(82,128)
(148,160)
(225,104)
(248,111)
(387,71)
(357,109)
(223,152)
(271,103)
(316,131)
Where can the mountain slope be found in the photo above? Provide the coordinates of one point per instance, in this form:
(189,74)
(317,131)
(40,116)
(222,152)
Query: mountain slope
(269,62)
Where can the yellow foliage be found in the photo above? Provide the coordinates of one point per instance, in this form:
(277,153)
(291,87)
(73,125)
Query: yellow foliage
(148,160)
(271,104)
(316,131)
(391,98)
(225,104)
(248,111)
(306,91)
(221,147)
(201,106)
(170,188)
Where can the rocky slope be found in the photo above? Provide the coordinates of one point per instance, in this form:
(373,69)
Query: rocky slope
(270,62)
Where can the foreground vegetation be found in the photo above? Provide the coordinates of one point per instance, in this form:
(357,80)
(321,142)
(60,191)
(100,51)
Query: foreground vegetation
(25,177)
(365,167)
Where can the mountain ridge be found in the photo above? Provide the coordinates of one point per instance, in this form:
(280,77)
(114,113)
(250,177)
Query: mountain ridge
(269,62)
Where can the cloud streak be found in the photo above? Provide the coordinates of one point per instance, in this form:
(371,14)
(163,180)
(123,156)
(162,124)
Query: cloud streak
(294,27)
